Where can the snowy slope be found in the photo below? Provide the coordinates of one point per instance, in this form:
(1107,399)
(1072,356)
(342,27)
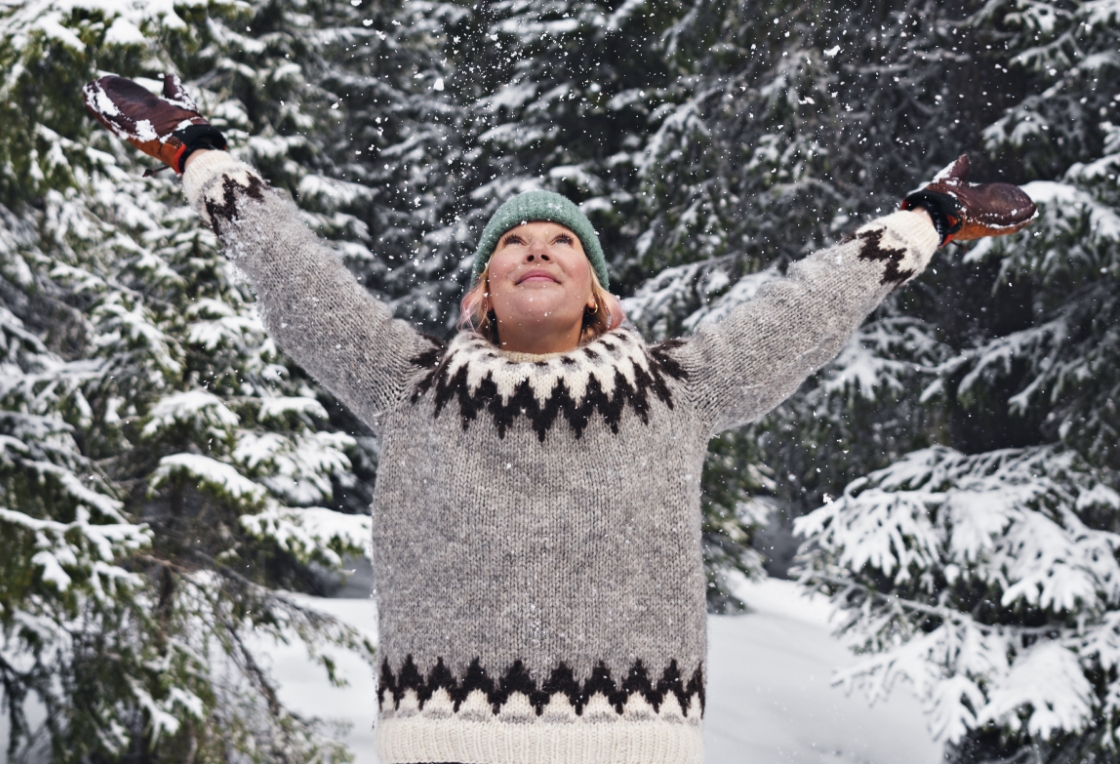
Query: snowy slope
(769,698)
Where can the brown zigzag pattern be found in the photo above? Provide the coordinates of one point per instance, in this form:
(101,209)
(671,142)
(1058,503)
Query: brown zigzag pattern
(561,681)
(453,388)
(226,209)
(873,249)
(430,358)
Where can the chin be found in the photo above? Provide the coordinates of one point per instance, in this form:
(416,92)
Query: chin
(540,308)
(543,319)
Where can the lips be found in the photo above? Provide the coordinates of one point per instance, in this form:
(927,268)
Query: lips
(537,277)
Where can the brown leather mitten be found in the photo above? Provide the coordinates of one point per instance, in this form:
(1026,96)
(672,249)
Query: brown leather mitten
(168,128)
(962,211)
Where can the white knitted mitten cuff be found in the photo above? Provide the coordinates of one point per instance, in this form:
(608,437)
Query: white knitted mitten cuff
(910,231)
(207,176)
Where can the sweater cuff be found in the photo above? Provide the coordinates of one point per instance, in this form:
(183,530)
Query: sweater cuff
(211,177)
(915,228)
(908,236)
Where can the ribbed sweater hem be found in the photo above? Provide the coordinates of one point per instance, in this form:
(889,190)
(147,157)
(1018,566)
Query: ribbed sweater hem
(419,739)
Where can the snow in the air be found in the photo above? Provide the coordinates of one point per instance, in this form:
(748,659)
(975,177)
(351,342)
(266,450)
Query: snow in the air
(957,460)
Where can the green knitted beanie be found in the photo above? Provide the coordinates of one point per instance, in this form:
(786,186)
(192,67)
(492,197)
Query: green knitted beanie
(532,206)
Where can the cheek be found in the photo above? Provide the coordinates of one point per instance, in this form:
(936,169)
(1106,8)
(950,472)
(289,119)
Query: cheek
(501,266)
(579,271)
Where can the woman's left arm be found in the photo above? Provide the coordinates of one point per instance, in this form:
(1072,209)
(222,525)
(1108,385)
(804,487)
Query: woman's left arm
(750,362)
(743,366)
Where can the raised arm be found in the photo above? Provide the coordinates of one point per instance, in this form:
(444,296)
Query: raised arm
(743,366)
(313,306)
(747,364)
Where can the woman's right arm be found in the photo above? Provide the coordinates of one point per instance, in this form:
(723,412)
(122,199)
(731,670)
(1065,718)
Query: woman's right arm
(312,305)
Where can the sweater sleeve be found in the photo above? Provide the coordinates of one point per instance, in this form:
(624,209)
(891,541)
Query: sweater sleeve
(743,366)
(312,305)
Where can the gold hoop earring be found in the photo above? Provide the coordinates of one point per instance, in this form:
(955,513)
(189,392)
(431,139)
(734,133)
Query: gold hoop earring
(593,312)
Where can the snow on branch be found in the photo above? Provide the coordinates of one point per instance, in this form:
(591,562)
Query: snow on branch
(702,291)
(296,468)
(197,409)
(985,581)
(78,547)
(217,476)
(881,356)
(312,532)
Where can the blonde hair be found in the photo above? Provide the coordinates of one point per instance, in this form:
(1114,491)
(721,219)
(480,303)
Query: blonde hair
(473,312)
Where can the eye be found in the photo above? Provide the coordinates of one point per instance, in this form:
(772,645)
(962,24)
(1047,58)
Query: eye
(563,239)
(512,239)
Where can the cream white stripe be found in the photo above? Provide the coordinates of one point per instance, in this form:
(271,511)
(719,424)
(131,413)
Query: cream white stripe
(419,739)
(508,370)
(204,167)
(912,231)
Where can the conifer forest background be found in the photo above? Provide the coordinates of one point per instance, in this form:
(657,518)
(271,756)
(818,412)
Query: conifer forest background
(166,473)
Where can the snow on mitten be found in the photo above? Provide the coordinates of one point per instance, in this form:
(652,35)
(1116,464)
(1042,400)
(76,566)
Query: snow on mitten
(168,128)
(962,211)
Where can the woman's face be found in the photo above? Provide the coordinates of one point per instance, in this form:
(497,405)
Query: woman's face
(540,278)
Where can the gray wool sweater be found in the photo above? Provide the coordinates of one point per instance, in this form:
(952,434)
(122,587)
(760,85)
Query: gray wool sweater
(536,539)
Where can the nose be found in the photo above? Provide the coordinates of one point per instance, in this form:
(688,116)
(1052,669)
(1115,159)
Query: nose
(537,251)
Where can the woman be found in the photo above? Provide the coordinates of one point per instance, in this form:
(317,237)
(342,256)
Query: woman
(537,545)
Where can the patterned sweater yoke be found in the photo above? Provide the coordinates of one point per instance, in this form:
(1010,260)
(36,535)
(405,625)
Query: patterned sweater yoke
(537,527)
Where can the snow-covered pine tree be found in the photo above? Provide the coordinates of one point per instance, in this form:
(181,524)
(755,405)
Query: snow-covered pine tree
(977,557)
(983,570)
(164,470)
(989,579)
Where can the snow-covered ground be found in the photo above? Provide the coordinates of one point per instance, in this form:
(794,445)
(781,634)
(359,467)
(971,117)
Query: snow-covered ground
(769,697)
